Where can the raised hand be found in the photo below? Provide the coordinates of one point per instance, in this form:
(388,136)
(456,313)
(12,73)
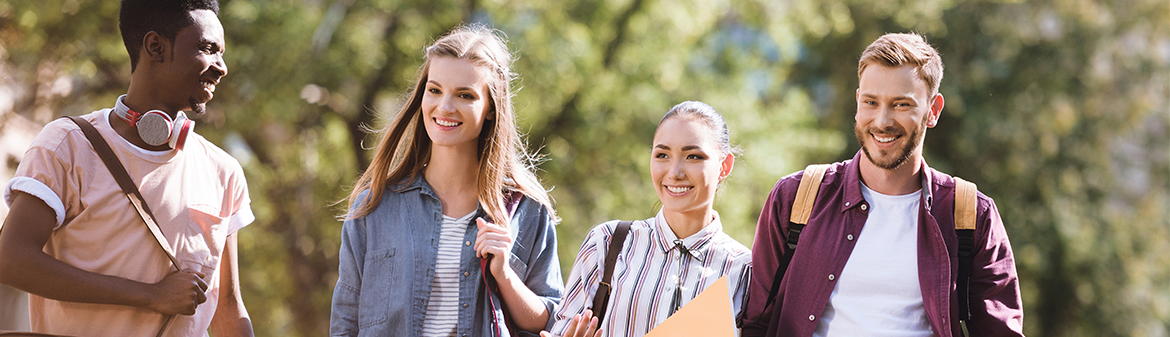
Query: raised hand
(495,242)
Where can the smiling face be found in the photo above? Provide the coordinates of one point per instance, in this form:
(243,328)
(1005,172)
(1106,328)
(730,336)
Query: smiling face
(196,65)
(455,102)
(686,165)
(894,109)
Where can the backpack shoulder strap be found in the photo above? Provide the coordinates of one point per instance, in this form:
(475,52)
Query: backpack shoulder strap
(601,298)
(806,194)
(802,206)
(966,203)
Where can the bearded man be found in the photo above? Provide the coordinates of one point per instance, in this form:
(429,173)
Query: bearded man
(878,252)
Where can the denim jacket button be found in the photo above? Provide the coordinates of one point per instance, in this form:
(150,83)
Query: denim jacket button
(466,273)
(467,243)
(465,305)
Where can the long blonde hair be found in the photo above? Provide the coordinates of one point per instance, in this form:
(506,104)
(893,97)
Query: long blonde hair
(504,163)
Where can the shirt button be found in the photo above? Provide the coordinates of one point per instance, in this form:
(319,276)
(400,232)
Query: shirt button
(849,237)
(846,205)
(831,277)
(468,243)
(863,207)
(812,318)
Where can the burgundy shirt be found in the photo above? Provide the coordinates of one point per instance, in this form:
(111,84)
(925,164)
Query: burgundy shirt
(838,215)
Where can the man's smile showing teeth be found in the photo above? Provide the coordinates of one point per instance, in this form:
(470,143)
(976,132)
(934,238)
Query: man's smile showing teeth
(679,189)
(447,123)
(208,84)
(884,139)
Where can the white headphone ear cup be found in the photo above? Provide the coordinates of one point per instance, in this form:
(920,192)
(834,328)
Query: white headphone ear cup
(155,127)
(180,131)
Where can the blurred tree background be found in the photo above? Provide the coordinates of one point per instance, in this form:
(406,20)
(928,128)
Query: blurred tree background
(1058,109)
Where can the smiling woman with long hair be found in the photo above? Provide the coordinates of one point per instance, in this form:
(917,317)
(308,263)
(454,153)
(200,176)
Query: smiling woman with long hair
(668,259)
(448,231)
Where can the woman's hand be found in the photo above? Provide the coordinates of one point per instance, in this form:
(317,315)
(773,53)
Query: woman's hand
(494,241)
(578,326)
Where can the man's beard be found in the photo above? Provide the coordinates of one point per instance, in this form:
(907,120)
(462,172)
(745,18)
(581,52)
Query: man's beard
(197,107)
(907,150)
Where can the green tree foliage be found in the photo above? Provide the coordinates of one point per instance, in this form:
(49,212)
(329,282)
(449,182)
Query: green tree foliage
(1056,108)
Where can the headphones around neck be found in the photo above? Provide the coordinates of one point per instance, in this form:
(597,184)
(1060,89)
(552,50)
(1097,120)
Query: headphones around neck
(157,128)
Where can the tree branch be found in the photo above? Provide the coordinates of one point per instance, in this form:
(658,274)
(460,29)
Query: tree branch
(381,79)
(565,117)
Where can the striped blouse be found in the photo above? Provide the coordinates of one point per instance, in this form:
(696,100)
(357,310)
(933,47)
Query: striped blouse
(443,307)
(647,274)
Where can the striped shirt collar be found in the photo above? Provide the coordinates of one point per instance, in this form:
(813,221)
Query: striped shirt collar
(697,244)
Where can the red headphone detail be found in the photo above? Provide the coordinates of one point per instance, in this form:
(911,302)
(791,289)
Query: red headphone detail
(157,128)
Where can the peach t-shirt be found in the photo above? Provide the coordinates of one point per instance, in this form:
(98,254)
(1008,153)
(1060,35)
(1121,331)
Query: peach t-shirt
(198,195)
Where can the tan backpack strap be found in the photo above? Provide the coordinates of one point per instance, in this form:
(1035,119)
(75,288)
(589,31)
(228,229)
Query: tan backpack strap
(802,207)
(965,204)
(806,193)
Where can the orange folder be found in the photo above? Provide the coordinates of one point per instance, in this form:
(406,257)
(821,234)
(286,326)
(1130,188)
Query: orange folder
(708,314)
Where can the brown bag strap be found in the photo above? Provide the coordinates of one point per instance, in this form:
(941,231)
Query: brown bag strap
(115,166)
(601,298)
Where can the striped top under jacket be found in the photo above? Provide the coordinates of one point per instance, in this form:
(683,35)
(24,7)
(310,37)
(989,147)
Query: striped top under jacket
(647,273)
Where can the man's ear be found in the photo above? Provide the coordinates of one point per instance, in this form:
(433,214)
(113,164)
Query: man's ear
(936,106)
(155,46)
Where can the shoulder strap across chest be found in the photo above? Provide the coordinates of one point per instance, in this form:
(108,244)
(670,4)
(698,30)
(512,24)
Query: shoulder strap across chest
(601,298)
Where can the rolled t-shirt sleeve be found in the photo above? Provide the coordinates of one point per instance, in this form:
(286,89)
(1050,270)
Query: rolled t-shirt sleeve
(241,198)
(242,218)
(43,174)
(36,189)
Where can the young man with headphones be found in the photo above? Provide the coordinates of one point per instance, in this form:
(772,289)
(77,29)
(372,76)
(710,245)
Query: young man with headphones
(882,244)
(82,252)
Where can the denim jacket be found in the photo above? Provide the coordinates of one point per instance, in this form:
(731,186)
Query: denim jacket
(387,266)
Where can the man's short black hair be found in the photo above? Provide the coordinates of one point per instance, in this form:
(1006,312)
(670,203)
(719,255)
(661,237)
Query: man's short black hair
(166,17)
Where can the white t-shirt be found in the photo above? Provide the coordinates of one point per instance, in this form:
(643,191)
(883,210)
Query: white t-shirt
(878,292)
(198,195)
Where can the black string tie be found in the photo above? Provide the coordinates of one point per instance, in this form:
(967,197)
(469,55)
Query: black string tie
(676,303)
